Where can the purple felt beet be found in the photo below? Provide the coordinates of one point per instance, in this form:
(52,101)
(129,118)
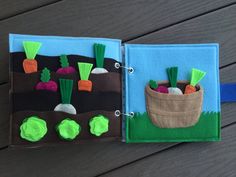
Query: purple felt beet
(162,89)
(50,85)
(66,70)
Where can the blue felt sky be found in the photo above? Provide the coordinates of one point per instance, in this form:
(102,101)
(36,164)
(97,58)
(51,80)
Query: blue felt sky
(151,61)
(57,45)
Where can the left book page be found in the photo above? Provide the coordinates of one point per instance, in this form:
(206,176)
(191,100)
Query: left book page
(64,89)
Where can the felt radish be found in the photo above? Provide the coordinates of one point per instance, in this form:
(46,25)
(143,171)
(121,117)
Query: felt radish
(30,65)
(197,76)
(46,83)
(66,87)
(65,68)
(172,75)
(153,85)
(84,69)
(99,50)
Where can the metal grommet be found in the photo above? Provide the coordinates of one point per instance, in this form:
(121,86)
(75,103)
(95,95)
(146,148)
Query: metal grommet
(117,113)
(117,65)
(131,70)
(131,114)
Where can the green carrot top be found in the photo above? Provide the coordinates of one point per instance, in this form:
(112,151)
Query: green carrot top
(99,50)
(172,75)
(64,61)
(197,76)
(84,70)
(31,49)
(45,75)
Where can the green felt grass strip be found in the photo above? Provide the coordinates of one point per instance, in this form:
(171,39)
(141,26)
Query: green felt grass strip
(64,61)
(31,48)
(84,70)
(172,75)
(99,50)
(66,86)
(45,75)
(197,76)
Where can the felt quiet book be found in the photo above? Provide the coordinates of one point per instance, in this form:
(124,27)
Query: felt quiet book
(72,89)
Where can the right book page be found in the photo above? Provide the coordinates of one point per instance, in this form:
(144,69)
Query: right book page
(173,93)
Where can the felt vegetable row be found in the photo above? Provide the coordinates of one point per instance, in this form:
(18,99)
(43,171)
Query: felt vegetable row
(196,77)
(34,128)
(30,65)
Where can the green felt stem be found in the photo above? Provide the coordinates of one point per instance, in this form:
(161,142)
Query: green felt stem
(31,49)
(45,75)
(172,75)
(153,84)
(64,61)
(66,86)
(99,50)
(84,70)
(197,76)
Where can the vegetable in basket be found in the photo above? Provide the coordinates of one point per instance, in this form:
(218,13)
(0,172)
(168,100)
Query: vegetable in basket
(84,84)
(99,50)
(46,83)
(65,67)
(197,76)
(30,65)
(66,87)
(172,75)
(153,85)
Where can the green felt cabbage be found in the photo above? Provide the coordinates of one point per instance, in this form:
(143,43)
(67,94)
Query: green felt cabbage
(84,70)
(31,48)
(197,76)
(68,129)
(99,125)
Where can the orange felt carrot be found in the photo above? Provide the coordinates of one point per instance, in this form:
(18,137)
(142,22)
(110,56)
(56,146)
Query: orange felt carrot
(30,65)
(85,85)
(197,75)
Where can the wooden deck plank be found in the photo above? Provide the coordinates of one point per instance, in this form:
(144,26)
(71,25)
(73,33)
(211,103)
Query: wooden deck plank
(115,19)
(188,159)
(216,27)
(11,8)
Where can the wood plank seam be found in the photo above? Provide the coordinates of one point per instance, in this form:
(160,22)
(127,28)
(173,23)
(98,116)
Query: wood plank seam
(179,22)
(30,10)
(155,153)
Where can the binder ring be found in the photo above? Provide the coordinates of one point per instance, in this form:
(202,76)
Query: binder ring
(118,113)
(130,69)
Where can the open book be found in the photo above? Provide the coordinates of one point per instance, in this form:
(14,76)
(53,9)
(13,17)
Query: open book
(71,89)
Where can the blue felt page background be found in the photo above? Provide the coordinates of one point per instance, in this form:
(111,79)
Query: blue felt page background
(57,45)
(151,61)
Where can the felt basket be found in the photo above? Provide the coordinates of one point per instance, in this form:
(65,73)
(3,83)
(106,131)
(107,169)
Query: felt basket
(174,111)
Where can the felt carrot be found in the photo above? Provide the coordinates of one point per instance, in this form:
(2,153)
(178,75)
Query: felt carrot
(99,51)
(172,75)
(46,83)
(65,67)
(84,84)
(197,76)
(31,48)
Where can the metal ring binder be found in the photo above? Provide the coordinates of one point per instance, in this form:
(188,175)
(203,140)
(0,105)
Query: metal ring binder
(130,69)
(118,113)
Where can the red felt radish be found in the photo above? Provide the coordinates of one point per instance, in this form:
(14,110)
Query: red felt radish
(46,83)
(153,85)
(65,68)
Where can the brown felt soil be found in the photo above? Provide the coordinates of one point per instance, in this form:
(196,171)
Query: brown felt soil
(41,100)
(53,62)
(107,82)
(53,118)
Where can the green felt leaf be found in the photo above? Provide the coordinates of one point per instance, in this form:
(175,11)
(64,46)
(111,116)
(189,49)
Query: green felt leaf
(66,86)
(45,75)
(31,48)
(84,70)
(64,61)
(197,76)
(153,84)
(68,129)
(99,50)
(172,75)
